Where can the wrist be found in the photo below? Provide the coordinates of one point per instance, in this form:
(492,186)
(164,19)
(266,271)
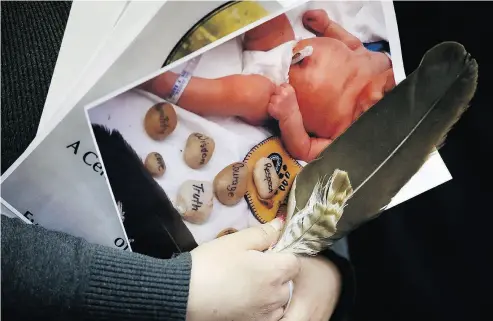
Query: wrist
(328,273)
(346,296)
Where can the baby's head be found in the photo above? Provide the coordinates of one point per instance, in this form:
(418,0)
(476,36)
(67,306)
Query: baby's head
(335,85)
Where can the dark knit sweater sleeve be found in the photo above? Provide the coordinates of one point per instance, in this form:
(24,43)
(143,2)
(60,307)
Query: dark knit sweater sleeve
(54,276)
(347,296)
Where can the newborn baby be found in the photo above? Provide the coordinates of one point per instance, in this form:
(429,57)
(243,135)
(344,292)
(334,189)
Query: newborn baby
(331,81)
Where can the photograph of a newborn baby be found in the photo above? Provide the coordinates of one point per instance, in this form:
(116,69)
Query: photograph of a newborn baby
(213,145)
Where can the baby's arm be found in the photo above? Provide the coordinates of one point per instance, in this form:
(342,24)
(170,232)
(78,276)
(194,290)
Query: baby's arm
(284,107)
(245,96)
(269,35)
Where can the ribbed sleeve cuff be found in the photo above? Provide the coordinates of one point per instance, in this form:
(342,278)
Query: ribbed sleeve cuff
(136,287)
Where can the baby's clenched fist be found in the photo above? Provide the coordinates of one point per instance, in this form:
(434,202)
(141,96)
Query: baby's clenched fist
(283,102)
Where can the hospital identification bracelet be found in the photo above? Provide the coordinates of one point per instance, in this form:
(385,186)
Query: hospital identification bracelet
(182,80)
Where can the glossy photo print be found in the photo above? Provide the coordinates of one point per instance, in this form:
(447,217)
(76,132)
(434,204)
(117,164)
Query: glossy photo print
(213,145)
(224,20)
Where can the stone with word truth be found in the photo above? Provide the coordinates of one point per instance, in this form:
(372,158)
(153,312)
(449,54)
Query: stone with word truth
(265,178)
(160,121)
(230,184)
(195,201)
(226,231)
(198,150)
(154,163)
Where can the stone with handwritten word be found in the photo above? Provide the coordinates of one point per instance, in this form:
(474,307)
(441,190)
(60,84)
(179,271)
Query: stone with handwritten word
(160,121)
(226,231)
(154,163)
(265,178)
(198,150)
(195,201)
(230,184)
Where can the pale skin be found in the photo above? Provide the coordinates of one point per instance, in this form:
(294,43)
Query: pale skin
(233,279)
(327,92)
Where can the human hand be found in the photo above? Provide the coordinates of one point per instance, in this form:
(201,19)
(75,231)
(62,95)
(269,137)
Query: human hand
(233,280)
(316,291)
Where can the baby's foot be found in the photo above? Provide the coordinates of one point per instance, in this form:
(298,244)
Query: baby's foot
(316,21)
(283,103)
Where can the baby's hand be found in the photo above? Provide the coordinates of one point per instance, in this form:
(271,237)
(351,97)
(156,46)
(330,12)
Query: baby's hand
(283,103)
(284,107)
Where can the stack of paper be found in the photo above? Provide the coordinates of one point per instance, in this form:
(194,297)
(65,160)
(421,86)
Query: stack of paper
(102,119)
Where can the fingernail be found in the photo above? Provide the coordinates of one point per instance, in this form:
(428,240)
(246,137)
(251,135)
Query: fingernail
(276,224)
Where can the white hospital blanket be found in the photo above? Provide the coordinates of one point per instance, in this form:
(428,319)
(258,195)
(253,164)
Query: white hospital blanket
(233,138)
(126,112)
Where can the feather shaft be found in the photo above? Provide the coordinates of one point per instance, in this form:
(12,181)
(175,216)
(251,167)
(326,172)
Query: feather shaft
(308,229)
(382,149)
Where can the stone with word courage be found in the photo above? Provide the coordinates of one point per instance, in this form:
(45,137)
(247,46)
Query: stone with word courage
(195,201)
(160,121)
(198,150)
(265,178)
(154,163)
(230,184)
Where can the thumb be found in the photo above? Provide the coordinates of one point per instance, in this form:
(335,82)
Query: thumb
(257,238)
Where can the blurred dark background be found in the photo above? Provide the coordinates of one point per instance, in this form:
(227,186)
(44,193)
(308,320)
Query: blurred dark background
(430,258)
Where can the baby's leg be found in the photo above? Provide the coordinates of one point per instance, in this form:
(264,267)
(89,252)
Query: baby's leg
(245,96)
(318,22)
(269,35)
(284,107)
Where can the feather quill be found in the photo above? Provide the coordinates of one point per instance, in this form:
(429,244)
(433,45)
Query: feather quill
(382,149)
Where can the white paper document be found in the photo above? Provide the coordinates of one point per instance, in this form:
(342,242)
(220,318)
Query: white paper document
(60,181)
(80,43)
